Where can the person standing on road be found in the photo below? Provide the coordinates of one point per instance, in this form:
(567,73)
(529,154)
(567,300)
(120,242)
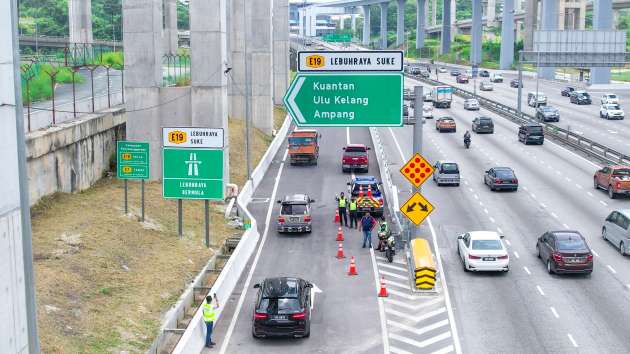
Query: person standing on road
(210,308)
(354,218)
(367,223)
(343,218)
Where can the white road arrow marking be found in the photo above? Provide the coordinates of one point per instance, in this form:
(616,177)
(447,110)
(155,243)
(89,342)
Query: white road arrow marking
(314,290)
(291,100)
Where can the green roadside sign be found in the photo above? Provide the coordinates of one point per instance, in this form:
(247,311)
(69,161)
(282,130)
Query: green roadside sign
(132,160)
(337,37)
(192,173)
(338,99)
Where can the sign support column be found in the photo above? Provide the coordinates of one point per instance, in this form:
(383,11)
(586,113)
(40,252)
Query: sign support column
(207,219)
(180,232)
(417,138)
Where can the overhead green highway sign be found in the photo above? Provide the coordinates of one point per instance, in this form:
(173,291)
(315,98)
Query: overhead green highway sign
(370,99)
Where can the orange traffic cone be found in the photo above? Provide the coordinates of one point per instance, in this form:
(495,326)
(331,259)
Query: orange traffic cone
(339,235)
(360,191)
(383,292)
(370,191)
(336,216)
(353,267)
(340,251)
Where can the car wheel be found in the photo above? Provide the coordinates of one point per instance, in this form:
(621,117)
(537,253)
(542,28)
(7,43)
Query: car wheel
(595,184)
(538,251)
(604,234)
(622,248)
(607,116)
(549,268)
(611,193)
(465,266)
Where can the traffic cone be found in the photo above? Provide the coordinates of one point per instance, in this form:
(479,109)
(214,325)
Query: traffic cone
(353,267)
(339,235)
(337,216)
(383,292)
(340,251)
(370,191)
(360,191)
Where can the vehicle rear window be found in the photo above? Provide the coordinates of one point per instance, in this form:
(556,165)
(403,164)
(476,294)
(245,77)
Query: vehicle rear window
(570,243)
(365,188)
(279,305)
(450,168)
(486,245)
(485,120)
(548,109)
(355,149)
(301,141)
(535,129)
(621,172)
(612,96)
(294,209)
(355,153)
(504,173)
(612,106)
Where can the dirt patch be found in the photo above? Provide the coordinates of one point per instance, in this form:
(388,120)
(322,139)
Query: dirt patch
(238,161)
(279,114)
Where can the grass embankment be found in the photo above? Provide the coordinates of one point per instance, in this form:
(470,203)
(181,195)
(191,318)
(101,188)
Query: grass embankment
(103,280)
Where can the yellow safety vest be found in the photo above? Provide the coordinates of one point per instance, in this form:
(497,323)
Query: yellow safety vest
(209,313)
(342,202)
(353,206)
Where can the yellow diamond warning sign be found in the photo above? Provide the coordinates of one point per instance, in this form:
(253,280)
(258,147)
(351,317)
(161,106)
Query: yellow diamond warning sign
(417,208)
(417,170)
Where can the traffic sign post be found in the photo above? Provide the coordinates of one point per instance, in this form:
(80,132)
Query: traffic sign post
(132,162)
(346,100)
(417,208)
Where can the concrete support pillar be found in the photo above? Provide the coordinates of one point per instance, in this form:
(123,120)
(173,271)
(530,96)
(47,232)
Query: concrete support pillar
(476,32)
(446,27)
(80,21)
(421,16)
(209,96)
(518,5)
(453,17)
(531,23)
(237,46)
(142,43)
(602,20)
(301,21)
(342,21)
(366,25)
(507,36)
(384,9)
(280,49)
(549,22)
(261,57)
(353,23)
(170,27)
(17,297)
(434,13)
(400,22)
(491,13)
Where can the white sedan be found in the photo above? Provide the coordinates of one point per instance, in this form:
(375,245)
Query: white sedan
(483,251)
(471,104)
(609,98)
(427,111)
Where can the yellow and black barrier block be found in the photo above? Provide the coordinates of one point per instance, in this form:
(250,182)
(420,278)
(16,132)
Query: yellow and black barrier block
(424,267)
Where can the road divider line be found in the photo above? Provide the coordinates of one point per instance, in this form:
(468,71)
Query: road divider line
(413,307)
(390,274)
(500,231)
(589,194)
(391,282)
(555,313)
(554,215)
(516,255)
(527,270)
(566,226)
(492,220)
(508,242)
(395,350)
(401,294)
(540,290)
(391,266)
(612,270)
(594,252)
(572,340)
(603,203)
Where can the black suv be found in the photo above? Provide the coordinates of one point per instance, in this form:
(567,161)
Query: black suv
(483,125)
(283,308)
(580,97)
(547,114)
(566,92)
(531,133)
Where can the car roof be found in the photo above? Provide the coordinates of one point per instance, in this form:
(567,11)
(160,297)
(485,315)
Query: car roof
(281,287)
(503,168)
(295,199)
(356,146)
(625,212)
(564,234)
(446,117)
(303,132)
(484,235)
(446,161)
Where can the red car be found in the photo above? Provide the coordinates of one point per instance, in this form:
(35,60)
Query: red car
(565,252)
(614,179)
(355,157)
(462,79)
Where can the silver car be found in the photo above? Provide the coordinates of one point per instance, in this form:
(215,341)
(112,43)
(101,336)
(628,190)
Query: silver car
(486,86)
(295,213)
(616,230)
(446,173)
(471,104)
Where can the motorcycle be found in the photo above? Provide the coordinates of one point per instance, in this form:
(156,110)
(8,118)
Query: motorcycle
(382,241)
(390,248)
(467,143)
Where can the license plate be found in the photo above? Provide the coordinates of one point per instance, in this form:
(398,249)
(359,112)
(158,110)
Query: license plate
(279,317)
(295,219)
(490,259)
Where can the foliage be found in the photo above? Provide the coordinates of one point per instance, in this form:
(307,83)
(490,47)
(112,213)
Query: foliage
(183,18)
(40,83)
(44,17)
(107,19)
(113,59)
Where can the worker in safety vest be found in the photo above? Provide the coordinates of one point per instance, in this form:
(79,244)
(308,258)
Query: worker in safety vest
(354,218)
(210,308)
(343,218)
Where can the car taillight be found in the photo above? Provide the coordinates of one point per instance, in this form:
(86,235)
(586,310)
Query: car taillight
(515,180)
(260,316)
(503,257)
(496,180)
(589,258)
(470,256)
(618,185)
(298,316)
(280,219)
(307,218)
(557,257)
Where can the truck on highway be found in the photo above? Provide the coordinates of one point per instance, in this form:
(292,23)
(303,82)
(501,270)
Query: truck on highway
(442,96)
(304,146)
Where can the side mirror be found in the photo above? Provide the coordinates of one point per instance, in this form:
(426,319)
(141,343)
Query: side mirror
(312,200)
(279,201)
(369,148)
(309,285)
(460,237)
(256,286)
(380,183)
(487,171)
(348,183)
(502,236)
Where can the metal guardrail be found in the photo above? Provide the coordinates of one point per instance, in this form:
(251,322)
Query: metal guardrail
(591,148)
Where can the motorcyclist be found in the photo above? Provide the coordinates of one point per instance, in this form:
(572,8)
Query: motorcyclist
(383,234)
(467,137)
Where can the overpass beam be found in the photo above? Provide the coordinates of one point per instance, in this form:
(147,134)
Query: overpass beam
(384,8)
(507,36)
(421,16)
(366,25)
(476,32)
(602,20)
(400,22)
(531,22)
(80,21)
(446,27)
(280,49)
(550,23)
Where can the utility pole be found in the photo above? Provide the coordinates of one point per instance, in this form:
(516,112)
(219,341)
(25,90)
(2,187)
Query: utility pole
(248,92)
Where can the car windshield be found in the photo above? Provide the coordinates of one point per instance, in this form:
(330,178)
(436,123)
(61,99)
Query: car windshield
(569,243)
(355,153)
(612,106)
(621,172)
(279,306)
(488,245)
(301,141)
(583,94)
(450,168)
(447,120)
(504,173)
(294,209)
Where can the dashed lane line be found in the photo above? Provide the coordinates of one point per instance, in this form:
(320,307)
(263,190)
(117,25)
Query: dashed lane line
(572,340)
(555,313)
(612,270)
(516,255)
(540,290)
(527,270)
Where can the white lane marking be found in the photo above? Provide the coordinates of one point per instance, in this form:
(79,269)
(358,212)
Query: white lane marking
(415,307)
(566,226)
(485,210)
(390,282)
(612,270)
(578,186)
(574,154)
(424,343)
(508,242)
(500,231)
(527,270)
(476,196)
(383,259)
(525,188)
(391,266)
(543,205)
(390,274)
(395,350)
(533,196)
(516,255)
(555,313)
(415,318)
(444,350)
(572,340)
(466,182)
(418,331)
(248,280)
(381,306)
(589,194)
(449,306)
(603,203)
(470,189)
(554,215)
(492,220)
(595,253)
(567,179)
(481,203)
(400,293)
(540,290)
